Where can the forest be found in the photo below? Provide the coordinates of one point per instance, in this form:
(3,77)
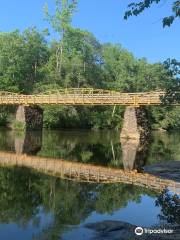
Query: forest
(32,62)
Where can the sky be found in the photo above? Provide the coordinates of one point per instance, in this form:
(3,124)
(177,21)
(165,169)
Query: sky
(144,35)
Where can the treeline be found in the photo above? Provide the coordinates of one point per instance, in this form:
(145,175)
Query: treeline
(30,63)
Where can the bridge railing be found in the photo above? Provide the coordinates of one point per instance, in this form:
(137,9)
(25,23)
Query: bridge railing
(83,97)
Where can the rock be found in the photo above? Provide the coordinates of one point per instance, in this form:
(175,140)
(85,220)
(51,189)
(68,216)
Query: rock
(112,230)
(168,170)
(117,230)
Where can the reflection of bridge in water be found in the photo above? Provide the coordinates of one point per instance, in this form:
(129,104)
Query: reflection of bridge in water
(87,172)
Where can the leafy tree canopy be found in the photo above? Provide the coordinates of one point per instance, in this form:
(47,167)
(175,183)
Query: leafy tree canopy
(135,9)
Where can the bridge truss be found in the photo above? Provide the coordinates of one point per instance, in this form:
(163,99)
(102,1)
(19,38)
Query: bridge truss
(82,96)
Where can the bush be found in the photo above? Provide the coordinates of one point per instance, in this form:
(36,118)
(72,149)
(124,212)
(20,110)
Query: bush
(3,118)
(83,117)
(16,125)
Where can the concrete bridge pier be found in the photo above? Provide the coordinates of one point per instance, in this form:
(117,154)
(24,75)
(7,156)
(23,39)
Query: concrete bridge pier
(135,137)
(30,116)
(136,124)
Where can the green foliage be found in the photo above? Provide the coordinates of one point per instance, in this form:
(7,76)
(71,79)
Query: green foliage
(165,118)
(62,17)
(82,117)
(137,8)
(171,119)
(164,147)
(170,207)
(61,23)
(86,155)
(16,125)
(60,117)
(21,59)
(30,64)
(125,73)
(3,116)
(173,85)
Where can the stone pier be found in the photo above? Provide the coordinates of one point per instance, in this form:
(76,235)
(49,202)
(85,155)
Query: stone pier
(30,116)
(135,137)
(136,124)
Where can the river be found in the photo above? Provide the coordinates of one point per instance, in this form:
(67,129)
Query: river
(35,205)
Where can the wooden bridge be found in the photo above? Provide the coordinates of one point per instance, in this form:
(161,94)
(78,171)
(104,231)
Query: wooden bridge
(87,172)
(82,96)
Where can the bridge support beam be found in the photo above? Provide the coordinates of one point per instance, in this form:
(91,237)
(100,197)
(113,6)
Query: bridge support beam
(30,116)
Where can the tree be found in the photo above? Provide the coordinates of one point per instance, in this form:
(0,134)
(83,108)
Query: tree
(137,8)
(37,54)
(11,61)
(81,66)
(60,22)
(83,52)
(173,85)
(118,66)
(22,57)
(124,72)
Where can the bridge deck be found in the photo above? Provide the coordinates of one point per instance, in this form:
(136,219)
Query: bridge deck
(87,172)
(83,97)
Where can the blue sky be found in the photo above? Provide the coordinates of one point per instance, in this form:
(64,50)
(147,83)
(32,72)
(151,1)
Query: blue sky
(142,35)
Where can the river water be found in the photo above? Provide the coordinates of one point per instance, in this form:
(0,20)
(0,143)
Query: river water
(35,205)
